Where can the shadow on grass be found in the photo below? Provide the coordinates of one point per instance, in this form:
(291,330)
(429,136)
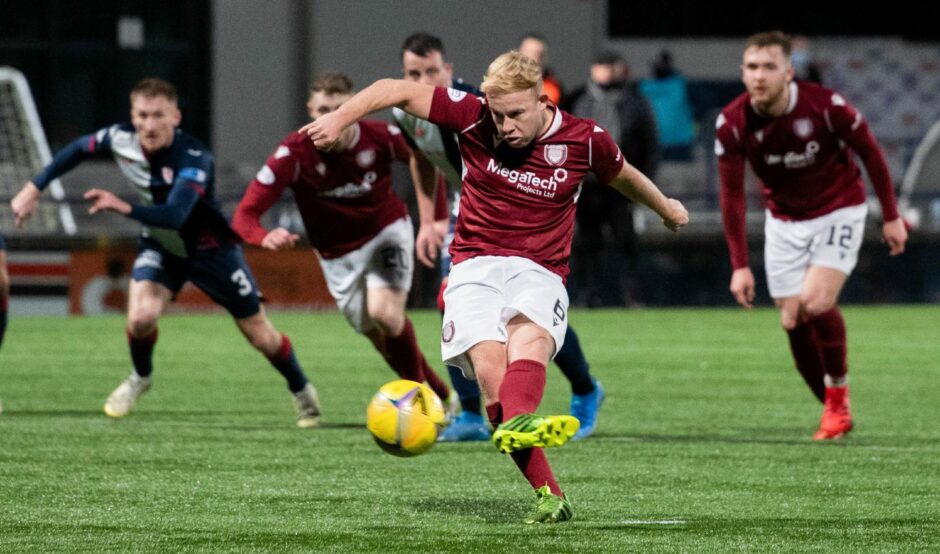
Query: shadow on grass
(490,511)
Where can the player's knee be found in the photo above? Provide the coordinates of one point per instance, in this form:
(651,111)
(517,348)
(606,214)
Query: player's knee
(268,343)
(142,322)
(816,305)
(788,322)
(388,319)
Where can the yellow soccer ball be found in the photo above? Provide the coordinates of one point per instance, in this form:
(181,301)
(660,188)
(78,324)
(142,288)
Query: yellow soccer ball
(404,418)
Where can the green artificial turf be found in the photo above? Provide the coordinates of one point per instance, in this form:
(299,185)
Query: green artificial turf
(703,444)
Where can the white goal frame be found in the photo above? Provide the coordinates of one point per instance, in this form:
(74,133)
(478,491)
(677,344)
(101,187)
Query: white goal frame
(24,98)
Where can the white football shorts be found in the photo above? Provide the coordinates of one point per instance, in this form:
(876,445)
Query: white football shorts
(484,293)
(385,261)
(791,247)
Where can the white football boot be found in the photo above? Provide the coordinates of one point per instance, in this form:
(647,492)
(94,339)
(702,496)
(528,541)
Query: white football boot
(307,404)
(122,400)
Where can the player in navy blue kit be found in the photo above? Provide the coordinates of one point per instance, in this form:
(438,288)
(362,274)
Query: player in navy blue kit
(184,237)
(436,150)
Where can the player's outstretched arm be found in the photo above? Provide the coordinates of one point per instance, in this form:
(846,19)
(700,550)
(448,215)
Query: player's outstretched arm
(414,98)
(631,183)
(24,204)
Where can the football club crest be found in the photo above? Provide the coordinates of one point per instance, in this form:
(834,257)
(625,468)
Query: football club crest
(556,154)
(447,334)
(168,175)
(456,95)
(803,127)
(365,158)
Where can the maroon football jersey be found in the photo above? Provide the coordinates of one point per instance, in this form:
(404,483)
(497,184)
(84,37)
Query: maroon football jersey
(802,158)
(521,202)
(345,198)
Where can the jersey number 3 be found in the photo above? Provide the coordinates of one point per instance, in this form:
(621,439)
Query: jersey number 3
(240,278)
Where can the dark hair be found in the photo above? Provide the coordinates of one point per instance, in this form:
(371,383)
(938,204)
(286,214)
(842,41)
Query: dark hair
(771,38)
(422,44)
(607,57)
(332,83)
(152,86)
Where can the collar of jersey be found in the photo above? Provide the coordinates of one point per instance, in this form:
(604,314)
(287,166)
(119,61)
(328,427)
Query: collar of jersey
(553,128)
(793,93)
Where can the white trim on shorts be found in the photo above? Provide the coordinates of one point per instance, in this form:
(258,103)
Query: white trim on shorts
(792,247)
(373,265)
(484,293)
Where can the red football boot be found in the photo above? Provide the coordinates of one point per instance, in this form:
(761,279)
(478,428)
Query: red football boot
(837,417)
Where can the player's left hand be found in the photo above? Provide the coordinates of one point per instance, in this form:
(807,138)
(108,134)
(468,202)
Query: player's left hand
(895,236)
(326,131)
(279,239)
(103,200)
(678,216)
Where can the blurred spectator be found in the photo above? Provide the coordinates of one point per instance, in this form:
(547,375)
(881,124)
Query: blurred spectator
(805,68)
(668,93)
(605,232)
(534,46)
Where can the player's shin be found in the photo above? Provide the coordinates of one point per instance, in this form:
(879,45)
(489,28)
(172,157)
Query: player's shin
(806,353)
(285,362)
(142,352)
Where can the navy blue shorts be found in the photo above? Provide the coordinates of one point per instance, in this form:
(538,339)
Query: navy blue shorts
(3,244)
(222,273)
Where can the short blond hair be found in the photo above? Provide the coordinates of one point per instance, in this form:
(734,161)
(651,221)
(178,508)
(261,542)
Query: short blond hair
(512,72)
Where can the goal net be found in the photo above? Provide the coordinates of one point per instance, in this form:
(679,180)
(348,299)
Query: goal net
(23,153)
(920,188)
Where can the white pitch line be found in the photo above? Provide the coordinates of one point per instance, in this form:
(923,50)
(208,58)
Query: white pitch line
(653,522)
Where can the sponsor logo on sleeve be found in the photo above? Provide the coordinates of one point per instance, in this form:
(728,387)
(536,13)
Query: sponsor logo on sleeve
(281,152)
(394,130)
(719,149)
(193,174)
(265,176)
(456,95)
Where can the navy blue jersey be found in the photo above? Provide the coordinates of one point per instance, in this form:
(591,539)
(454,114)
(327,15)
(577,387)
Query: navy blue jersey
(175,186)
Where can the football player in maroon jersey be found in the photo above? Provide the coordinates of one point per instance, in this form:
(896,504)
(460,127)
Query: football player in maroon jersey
(506,305)
(358,225)
(799,138)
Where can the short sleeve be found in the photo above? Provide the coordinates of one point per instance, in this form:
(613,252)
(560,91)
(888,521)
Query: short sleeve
(456,109)
(605,157)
